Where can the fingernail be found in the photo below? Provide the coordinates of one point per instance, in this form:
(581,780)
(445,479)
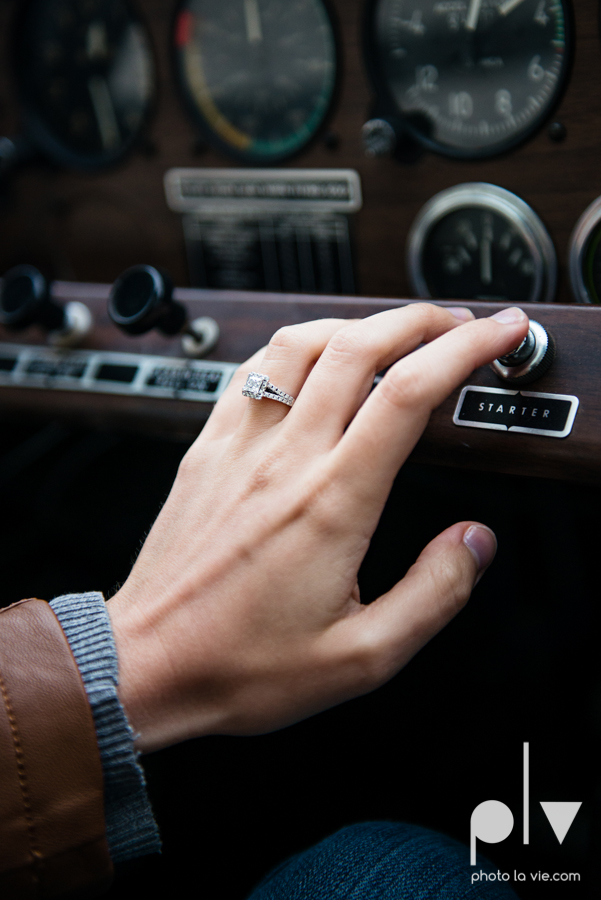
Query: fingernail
(461,312)
(510,316)
(482,544)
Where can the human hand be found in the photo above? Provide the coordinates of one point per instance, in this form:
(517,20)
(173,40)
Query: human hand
(242,613)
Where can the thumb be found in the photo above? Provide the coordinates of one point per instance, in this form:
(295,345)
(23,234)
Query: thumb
(432,592)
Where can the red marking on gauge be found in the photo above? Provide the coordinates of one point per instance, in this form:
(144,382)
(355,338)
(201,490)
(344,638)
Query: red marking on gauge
(183,28)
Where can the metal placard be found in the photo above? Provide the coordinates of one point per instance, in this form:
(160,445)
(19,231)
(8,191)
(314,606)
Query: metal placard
(305,253)
(263,190)
(111,372)
(524,412)
(267,229)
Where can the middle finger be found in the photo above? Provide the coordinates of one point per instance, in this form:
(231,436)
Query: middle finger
(343,376)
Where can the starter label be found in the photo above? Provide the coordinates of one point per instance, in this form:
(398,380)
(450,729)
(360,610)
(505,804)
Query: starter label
(550,415)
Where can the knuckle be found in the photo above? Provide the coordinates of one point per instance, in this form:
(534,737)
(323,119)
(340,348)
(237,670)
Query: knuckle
(425,313)
(370,662)
(189,464)
(452,589)
(403,387)
(264,473)
(320,507)
(348,346)
(322,519)
(289,338)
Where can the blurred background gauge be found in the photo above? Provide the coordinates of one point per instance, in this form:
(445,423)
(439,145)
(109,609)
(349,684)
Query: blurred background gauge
(259,75)
(469,78)
(480,242)
(86,78)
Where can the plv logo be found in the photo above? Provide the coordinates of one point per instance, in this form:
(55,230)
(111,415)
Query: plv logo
(492,821)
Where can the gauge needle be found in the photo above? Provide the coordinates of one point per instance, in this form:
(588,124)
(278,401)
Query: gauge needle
(104,112)
(509,5)
(473,15)
(253,21)
(485,260)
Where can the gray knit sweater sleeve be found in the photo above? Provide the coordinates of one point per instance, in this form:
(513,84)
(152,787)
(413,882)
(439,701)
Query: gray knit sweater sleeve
(130,826)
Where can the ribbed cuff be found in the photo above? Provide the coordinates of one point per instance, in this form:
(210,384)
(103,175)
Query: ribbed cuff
(130,826)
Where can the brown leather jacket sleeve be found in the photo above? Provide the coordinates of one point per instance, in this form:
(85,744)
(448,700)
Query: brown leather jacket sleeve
(52,831)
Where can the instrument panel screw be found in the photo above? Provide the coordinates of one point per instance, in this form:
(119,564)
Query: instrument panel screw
(557,132)
(379,137)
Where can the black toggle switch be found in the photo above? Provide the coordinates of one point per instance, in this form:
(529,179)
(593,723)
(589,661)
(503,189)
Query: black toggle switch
(142,299)
(25,300)
(531,360)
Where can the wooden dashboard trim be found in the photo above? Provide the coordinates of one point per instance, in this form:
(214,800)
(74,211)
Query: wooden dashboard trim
(247,320)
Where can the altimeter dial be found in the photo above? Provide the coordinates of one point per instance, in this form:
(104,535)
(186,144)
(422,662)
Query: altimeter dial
(470,77)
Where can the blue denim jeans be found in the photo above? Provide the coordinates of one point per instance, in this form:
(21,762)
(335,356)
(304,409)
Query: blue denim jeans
(382,861)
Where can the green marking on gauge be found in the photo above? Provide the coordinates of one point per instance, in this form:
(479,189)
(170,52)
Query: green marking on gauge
(560,30)
(292,142)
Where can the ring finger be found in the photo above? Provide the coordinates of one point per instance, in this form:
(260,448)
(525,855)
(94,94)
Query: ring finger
(289,358)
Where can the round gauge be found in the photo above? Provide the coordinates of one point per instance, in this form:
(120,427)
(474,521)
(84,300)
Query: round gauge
(470,78)
(258,75)
(585,255)
(86,78)
(480,242)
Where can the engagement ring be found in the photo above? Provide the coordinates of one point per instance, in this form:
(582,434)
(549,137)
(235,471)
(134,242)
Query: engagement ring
(258,386)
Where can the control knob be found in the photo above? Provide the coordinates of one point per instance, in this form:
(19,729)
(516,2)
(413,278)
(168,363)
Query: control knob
(142,299)
(25,300)
(531,360)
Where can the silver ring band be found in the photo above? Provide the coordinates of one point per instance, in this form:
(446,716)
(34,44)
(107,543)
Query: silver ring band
(258,386)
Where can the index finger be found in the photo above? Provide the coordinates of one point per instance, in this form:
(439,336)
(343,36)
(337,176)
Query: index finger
(392,419)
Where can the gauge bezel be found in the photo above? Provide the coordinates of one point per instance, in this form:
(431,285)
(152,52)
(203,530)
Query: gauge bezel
(213,139)
(36,128)
(578,247)
(486,196)
(385,96)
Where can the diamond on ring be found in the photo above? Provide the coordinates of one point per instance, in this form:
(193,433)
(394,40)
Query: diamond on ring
(259,386)
(255,385)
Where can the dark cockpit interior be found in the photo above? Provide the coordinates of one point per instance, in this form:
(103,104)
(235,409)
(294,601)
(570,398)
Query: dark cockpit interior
(179,179)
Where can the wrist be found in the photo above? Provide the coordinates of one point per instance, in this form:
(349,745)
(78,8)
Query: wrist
(139,682)
(149,678)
